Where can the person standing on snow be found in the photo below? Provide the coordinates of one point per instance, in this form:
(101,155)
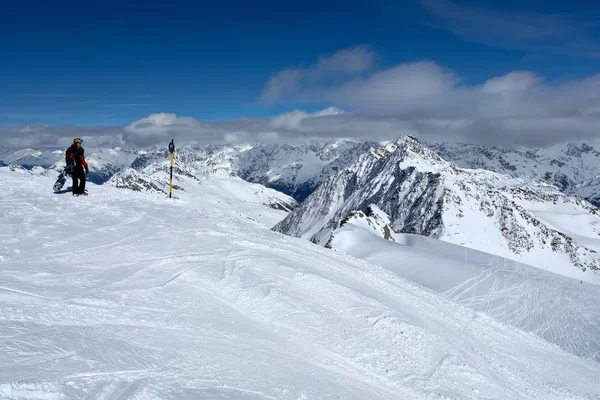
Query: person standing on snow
(77,153)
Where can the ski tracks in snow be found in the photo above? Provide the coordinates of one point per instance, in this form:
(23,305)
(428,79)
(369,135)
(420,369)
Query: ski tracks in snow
(401,352)
(536,304)
(161,300)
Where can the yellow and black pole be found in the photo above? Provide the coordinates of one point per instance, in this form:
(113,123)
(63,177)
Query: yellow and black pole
(172,151)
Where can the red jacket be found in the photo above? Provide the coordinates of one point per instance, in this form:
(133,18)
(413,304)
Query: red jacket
(75,155)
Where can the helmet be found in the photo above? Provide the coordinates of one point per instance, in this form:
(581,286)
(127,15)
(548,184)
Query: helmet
(77,140)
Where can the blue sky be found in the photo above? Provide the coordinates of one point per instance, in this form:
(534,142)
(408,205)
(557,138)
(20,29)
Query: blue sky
(114,63)
(67,63)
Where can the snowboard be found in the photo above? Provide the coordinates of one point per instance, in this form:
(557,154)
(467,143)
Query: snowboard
(60,182)
(62,179)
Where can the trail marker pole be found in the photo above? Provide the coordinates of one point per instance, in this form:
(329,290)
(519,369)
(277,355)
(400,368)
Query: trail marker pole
(172,156)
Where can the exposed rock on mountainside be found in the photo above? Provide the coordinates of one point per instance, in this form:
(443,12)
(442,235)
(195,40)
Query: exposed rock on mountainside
(421,193)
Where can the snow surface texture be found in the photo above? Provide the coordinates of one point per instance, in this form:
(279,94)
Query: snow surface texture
(426,195)
(129,295)
(561,310)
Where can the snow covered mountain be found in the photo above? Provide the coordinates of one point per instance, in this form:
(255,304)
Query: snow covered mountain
(574,168)
(196,172)
(29,158)
(136,296)
(589,190)
(294,169)
(297,170)
(423,194)
(103,162)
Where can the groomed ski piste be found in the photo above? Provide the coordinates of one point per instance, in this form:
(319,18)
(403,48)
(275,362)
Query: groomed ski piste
(562,310)
(130,295)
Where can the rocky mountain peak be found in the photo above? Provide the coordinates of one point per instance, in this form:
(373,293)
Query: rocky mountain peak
(577,149)
(410,146)
(420,193)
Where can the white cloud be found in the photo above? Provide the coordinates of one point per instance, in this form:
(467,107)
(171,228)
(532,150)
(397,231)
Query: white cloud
(161,127)
(282,84)
(422,98)
(345,62)
(37,136)
(516,108)
(297,126)
(293,119)
(401,89)
(514,83)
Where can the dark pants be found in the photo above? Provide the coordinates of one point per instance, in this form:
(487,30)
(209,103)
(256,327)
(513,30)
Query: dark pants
(78,180)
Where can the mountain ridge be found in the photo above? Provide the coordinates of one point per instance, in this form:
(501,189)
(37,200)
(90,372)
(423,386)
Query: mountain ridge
(423,194)
(298,169)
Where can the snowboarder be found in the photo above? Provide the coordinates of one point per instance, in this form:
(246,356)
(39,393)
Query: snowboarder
(76,154)
(68,169)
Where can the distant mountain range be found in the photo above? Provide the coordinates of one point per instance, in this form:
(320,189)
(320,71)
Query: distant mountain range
(527,205)
(298,169)
(573,168)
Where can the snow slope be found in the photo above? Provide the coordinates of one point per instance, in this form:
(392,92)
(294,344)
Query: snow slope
(563,311)
(128,295)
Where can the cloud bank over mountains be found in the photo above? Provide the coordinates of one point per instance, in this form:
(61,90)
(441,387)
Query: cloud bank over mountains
(422,98)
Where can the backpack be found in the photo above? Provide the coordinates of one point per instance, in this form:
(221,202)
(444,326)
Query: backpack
(70,156)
